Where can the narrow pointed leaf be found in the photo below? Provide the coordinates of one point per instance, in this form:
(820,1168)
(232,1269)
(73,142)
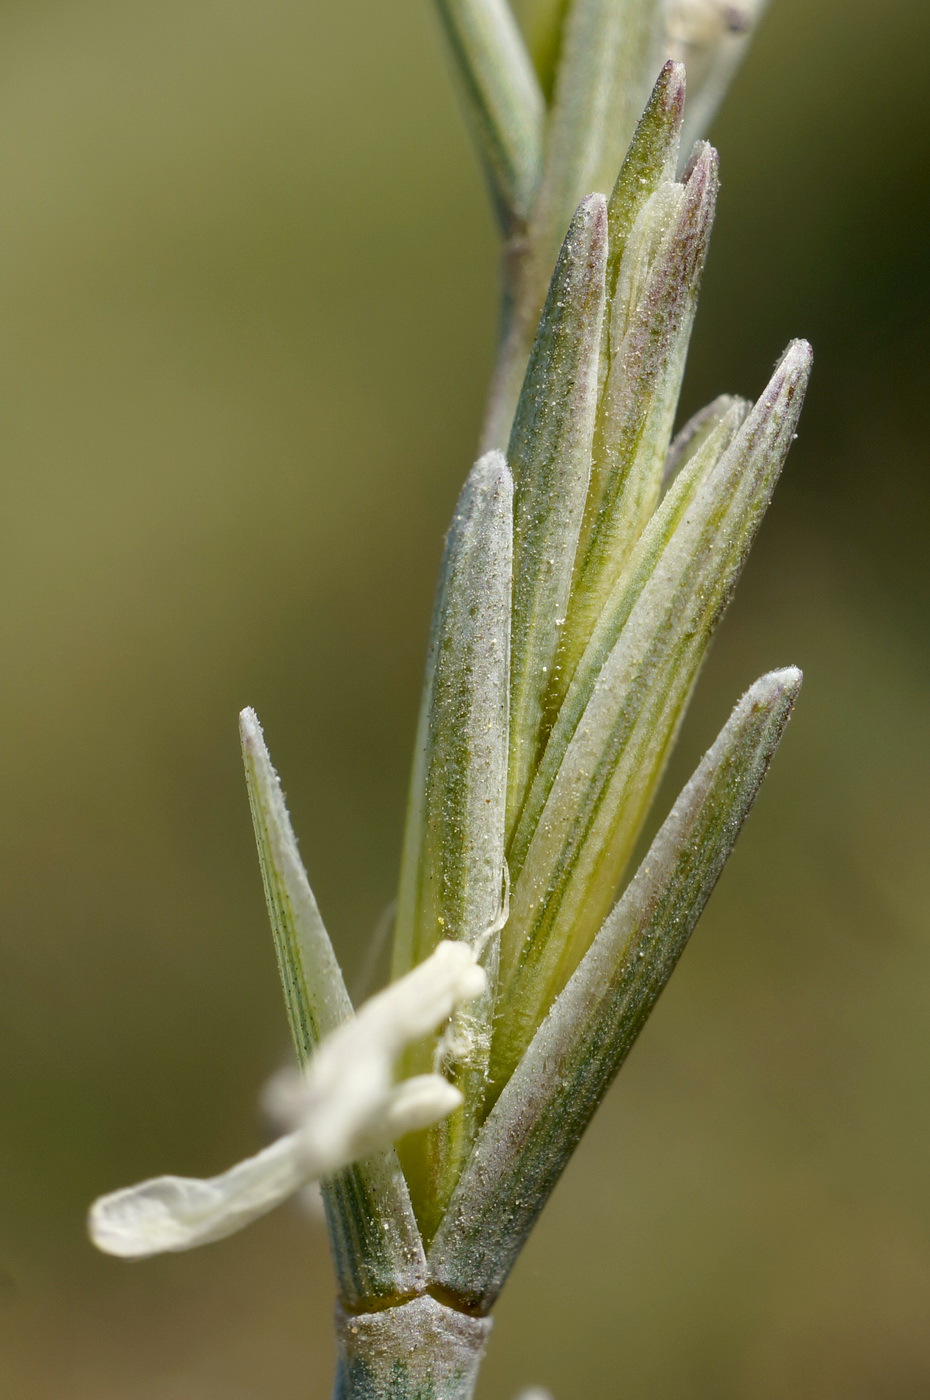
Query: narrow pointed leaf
(656,540)
(653,157)
(314,992)
(553,1094)
(377,1248)
(651,161)
(452,873)
(450,883)
(550,458)
(608,748)
(503,98)
(610,50)
(650,326)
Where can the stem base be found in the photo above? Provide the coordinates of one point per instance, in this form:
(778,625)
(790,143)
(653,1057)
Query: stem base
(419,1350)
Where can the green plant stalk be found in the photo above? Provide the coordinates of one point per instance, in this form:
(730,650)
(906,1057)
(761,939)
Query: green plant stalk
(421,1350)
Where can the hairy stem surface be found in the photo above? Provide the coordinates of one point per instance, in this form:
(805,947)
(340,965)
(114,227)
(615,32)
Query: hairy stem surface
(419,1350)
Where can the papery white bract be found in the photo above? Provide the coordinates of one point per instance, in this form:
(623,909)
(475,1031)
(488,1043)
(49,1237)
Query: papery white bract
(345,1105)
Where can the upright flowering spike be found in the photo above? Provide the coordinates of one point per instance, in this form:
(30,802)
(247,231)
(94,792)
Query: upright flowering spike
(345,1106)
(600,57)
(453,873)
(552,1096)
(609,52)
(550,458)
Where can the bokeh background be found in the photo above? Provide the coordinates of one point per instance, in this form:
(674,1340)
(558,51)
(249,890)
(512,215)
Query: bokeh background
(247,304)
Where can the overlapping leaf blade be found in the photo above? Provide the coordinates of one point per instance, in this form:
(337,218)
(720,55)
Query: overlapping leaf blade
(376,1246)
(452,872)
(690,439)
(550,458)
(650,325)
(651,161)
(609,51)
(607,750)
(554,1092)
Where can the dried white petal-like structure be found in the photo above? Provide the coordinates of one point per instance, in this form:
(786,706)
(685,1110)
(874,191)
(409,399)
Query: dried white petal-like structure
(344,1106)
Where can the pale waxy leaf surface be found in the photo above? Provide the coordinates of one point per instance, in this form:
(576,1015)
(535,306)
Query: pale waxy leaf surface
(554,1092)
(656,539)
(651,316)
(314,992)
(690,439)
(651,161)
(608,748)
(550,459)
(609,52)
(503,98)
(376,1244)
(453,873)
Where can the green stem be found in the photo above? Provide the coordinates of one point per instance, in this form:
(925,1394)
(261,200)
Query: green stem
(525,277)
(418,1350)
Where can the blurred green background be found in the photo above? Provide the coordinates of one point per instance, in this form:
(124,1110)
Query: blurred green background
(247,303)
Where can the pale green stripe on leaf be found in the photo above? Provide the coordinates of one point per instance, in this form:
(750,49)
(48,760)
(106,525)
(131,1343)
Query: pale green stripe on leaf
(550,458)
(655,540)
(610,50)
(650,326)
(554,1092)
(452,873)
(608,748)
(376,1245)
(690,439)
(503,97)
